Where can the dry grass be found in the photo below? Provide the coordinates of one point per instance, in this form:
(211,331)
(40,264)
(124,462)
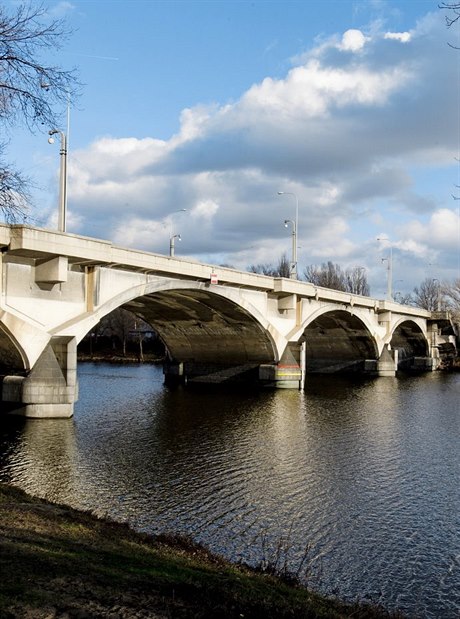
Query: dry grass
(56,562)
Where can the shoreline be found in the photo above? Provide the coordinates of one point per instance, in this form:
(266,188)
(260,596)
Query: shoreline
(448,367)
(61,563)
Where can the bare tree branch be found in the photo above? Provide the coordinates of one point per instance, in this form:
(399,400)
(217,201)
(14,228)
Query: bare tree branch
(452,17)
(30,89)
(427,295)
(282,269)
(330,275)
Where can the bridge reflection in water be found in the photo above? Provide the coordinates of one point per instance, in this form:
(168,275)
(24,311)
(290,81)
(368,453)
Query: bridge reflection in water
(364,470)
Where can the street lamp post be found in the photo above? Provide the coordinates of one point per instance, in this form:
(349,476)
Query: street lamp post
(389,262)
(173,236)
(295,230)
(172,243)
(438,294)
(62,178)
(293,269)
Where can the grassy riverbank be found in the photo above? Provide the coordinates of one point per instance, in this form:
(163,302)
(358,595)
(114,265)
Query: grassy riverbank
(56,562)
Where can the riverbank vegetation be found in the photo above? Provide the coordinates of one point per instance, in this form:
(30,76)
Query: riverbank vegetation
(57,562)
(121,337)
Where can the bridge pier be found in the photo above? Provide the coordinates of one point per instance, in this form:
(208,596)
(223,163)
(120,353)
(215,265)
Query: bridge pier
(287,374)
(390,361)
(51,388)
(174,373)
(387,362)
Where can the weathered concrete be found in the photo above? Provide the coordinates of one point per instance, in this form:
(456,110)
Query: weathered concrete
(50,388)
(55,287)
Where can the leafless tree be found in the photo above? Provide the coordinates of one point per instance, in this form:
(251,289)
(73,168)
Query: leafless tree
(330,275)
(427,295)
(282,269)
(123,327)
(120,323)
(30,89)
(356,281)
(451,297)
(14,193)
(404,299)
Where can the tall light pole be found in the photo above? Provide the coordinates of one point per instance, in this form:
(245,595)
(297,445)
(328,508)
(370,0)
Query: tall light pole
(172,243)
(389,262)
(293,269)
(438,294)
(295,230)
(62,178)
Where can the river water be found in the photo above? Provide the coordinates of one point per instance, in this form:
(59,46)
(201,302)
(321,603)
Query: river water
(360,477)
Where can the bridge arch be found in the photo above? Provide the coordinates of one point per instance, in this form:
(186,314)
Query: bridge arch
(21,343)
(198,323)
(338,340)
(12,356)
(409,339)
(200,326)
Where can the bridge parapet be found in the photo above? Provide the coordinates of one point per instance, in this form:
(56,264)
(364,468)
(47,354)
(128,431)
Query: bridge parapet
(43,245)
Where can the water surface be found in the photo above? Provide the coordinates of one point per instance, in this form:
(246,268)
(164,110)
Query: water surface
(365,473)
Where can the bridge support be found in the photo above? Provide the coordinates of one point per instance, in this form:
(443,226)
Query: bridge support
(51,388)
(390,362)
(387,362)
(287,374)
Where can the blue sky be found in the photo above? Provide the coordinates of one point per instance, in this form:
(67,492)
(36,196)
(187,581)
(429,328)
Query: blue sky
(214,107)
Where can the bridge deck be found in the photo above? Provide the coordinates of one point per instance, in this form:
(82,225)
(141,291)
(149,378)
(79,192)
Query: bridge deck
(36,243)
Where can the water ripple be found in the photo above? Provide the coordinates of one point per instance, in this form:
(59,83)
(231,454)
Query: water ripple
(364,473)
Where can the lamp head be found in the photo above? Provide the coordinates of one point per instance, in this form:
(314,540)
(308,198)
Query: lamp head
(50,140)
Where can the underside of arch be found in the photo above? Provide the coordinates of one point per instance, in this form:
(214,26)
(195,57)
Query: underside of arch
(11,360)
(411,344)
(205,332)
(338,341)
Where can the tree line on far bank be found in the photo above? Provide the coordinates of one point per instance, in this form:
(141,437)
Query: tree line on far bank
(328,275)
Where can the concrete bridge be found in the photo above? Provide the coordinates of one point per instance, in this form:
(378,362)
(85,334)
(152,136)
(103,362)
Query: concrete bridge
(218,324)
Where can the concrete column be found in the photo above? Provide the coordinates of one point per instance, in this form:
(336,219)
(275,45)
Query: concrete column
(387,364)
(173,372)
(287,373)
(51,388)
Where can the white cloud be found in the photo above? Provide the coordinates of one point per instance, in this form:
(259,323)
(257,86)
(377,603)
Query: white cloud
(138,232)
(205,210)
(314,89)
(346,132)
(404,37)
(353,40)
(328,240)
(193,121)
(441,231)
